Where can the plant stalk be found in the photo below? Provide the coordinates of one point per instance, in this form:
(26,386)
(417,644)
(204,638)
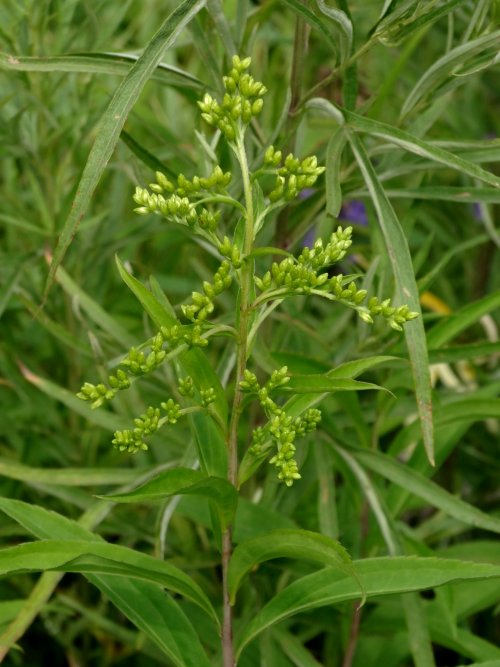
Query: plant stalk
(243,325)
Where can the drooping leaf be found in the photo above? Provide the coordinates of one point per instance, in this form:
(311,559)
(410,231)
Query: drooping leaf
(298,544)
(379,576)
(185,481)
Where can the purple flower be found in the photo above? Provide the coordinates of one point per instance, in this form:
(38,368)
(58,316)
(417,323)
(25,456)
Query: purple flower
(354,211)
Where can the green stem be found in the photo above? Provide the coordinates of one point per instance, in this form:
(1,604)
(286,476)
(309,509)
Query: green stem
(243,321)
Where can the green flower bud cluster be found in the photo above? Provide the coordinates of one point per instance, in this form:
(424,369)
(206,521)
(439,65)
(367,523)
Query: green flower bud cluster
(293,176)
(132,440)
(208,396)
(296,278)
(250,384)
(136,363)
(282,428)
(301,275)
(140,362)
(202,304)
(179,209)
(231,251)
(180,334)
(395,316)
(97,393)
(186,387)
(320,256)
(241,102)
(216,182)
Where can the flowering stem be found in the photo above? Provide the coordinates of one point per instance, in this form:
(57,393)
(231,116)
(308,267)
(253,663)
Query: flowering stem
(243,322)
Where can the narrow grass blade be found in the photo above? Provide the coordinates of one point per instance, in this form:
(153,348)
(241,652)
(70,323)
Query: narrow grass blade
(444,67)
(417,146)
(96,312)
(399,254)
(415,483)
(96,63)
(113,121)
(68,476)
(443,193)
(332,177)
(314,21)
(343,28)
(102,418)
(451,326)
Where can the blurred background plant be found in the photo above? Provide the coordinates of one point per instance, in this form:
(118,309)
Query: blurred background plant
(418,82)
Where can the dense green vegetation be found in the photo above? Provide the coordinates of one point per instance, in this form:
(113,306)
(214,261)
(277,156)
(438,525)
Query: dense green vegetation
(397,501)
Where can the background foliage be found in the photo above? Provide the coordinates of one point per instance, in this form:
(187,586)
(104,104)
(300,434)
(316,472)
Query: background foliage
(417,151)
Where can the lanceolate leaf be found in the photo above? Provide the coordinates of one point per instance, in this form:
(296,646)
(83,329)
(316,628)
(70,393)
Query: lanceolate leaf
(101,558)
(415,483)
(114,119)
(158,616)
(185,481)
(96,63)
(316,384)
(399,254)
(300,544)
(419,147)
(320,24)
(444,67)
(451,326)
(144,603)
(379,576)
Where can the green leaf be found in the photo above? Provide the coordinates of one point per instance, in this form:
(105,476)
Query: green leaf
(68,476)
(443,193)
(343,28)
(316,384)
(415,483)
(298,544)
(454,324)
(96,312)
(407,291)
(333,162)
(144,603)
(417,146)
(158,616)
(351,369)
(101,558)
(97,63)
(379,577)
(321,25)
(101,418)
(445,68)
(114,119)
(457,352)
(185,481)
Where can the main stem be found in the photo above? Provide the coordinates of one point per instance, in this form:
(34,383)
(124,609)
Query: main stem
(246,274)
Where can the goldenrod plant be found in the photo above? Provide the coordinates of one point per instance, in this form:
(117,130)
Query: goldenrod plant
(197,203)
